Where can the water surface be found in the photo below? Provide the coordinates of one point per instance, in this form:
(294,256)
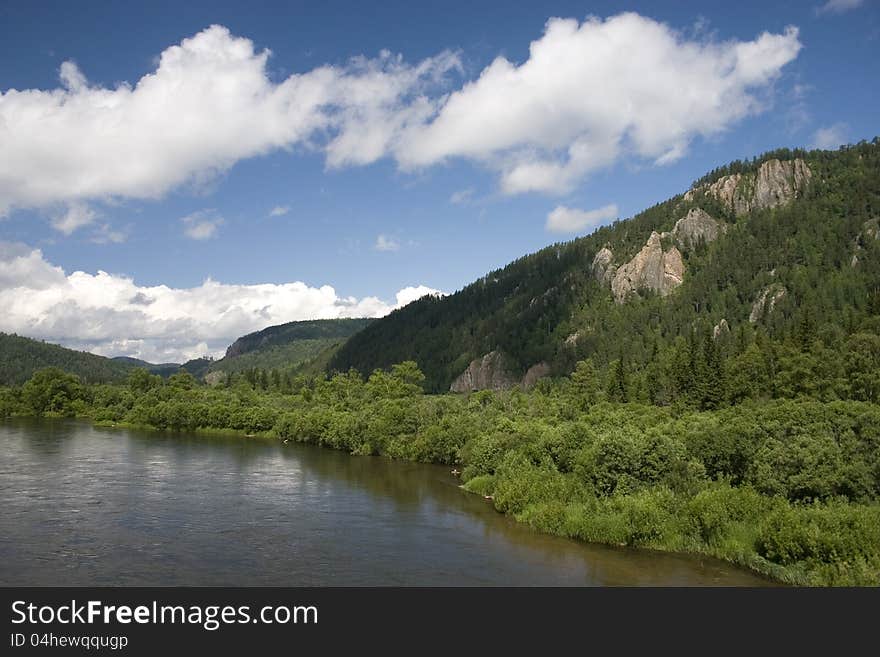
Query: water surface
(89,506)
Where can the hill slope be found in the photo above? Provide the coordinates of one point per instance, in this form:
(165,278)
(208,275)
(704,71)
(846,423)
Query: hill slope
(20,357)
(790,241)
(287,345)
(162,369)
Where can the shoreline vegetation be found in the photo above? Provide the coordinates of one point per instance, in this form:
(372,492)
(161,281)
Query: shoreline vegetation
(785,487)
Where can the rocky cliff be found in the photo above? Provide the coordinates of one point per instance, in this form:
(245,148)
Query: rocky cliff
(698,226)
(766,301)
(602,268)
(869,233)
(775,183)
(491,372)
(533,374)
(652,268)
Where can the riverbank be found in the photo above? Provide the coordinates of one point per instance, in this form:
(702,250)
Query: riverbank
(788,489)
(86,506)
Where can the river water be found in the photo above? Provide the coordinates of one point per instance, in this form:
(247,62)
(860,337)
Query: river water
(89,506)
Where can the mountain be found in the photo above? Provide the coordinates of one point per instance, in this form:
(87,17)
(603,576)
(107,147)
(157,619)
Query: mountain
(198,367)
(162,369)
(20,357)
(288,345)
(779,246)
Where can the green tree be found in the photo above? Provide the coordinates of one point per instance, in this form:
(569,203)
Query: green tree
(585,383)
(51,390)
(618,382)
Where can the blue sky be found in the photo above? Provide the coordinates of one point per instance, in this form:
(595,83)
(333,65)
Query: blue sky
(455,175)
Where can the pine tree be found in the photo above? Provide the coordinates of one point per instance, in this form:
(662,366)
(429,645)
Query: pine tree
(585,383)
(617,384)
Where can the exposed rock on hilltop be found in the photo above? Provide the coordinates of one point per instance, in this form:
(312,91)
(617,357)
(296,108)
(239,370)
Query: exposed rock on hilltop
(491,372)
(651,269)
(766,301)
(775,183)
(602,268)
(696,227)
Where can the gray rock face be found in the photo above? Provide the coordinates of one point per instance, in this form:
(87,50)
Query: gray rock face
(602,269)
(491,372)
(776,183)
(766,301)
(721,328)
(870,232)
(698,226)
(534,373)
(651,269)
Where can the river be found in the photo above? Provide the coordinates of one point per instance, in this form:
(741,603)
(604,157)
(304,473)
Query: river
(81,505)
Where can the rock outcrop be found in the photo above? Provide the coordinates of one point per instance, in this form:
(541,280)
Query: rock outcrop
(491,372)
(870,232)
(721,328)
(776,183)
(766,301)
(573,339)
(602,269)
(534,373)
(652,268)
(698,226)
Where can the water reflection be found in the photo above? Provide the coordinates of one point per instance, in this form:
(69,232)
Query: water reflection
(95,506)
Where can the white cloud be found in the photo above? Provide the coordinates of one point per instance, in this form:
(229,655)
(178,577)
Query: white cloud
(106,234)
(587,94)
(409,294)
(839,6)
(209,103)
(592,91)
(279,211)
(572,220)
(462,196)
(384,243)
(830,137)
(202,225)
(75,216)
(110,314)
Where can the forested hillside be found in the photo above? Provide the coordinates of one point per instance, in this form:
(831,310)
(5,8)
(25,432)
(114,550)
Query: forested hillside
(162,369)
(287,346)
(797,284)
(20,357)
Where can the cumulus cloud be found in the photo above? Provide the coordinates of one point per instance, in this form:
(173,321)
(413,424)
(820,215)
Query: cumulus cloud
(587,94)
(279,211)
(590,91)
(110,314)
(202,225)
(384,243)
(839,6)
(571,220)
(830,137)
(409,294)
(209,103)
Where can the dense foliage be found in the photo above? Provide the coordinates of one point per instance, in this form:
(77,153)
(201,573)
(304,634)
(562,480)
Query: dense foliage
(549,307)
(790,488)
